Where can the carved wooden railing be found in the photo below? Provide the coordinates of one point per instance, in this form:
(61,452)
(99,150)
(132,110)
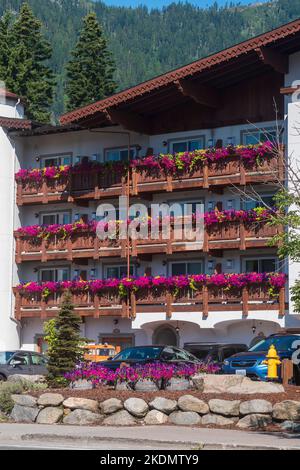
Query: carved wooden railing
(94,184)
(206,300)
(87,245)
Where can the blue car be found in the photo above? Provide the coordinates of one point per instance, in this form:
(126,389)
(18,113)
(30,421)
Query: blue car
(250,363)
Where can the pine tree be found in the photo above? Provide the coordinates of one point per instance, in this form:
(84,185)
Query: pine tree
(5,41)
(91,68)
(27,73)
(65,351)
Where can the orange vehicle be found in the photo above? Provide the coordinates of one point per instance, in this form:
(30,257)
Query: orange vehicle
(99,352)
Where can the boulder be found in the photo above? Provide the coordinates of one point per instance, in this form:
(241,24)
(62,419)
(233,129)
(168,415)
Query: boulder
(178,384)
(287,410)
(184,418)
(254,421)
(156,417)
(120,418)
(50,415)
(237,384)
(225,407)
(24,400)
(123,386)
(50,399)
(163,404)
(3,418)
(290,426)
(145,386)
(191,403)
(82,384)
(255,407)
(110,406)
(136,406)
(81,404)
(210,383)
(24,414)
(27,378)
(81,417)
(217,420)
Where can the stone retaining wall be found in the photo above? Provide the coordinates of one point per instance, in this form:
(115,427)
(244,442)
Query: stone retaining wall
(53,408)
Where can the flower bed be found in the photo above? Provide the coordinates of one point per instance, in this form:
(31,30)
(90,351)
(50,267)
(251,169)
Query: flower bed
(175,284)
(157,372)
(169,164)
(211,219)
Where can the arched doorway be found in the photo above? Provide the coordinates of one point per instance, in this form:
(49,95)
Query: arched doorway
(165,335)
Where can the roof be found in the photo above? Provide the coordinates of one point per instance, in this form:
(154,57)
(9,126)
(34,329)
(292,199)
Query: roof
(249,54)
(15,123)
(9,94)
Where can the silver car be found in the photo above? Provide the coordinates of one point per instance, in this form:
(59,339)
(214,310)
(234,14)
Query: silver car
(22,362)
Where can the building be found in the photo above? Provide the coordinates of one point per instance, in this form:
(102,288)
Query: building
(239,96)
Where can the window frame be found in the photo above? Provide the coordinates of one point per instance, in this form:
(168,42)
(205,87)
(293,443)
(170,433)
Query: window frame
(117,265)
(246,132)
(186,262)
(119,149)
(259,258)
(55,213)
(56,269)
(186,139)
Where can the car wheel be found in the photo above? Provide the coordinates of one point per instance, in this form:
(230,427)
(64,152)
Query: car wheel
(2,378)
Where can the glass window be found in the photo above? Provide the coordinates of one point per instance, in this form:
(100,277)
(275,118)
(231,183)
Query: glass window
(5,356)
(23,358)
(142,353)
(54,274)
(257,136)
(38,360)
(281,343)
(117,272)
(56,218)
(265,199)
(56,160)
(187,145)
(265,265)
(186,268)
(119,154)
(49,219)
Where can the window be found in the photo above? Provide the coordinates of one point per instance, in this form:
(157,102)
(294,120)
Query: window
(263,265)
(117,272)
(188,145)
(22,358)
(180,268)
(38,360)
(267,199)
(56,160)
(119,154)
(254,137)
(55,218)
(54,274)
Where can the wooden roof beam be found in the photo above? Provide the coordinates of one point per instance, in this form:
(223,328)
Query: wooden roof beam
(201,94)
(130,121)
(275,59)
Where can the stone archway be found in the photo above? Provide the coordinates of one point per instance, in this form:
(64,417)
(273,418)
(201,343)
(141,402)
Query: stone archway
(165,335)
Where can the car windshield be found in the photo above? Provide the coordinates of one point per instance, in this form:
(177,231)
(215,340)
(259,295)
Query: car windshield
(138,354)
(281,343)
(5,356)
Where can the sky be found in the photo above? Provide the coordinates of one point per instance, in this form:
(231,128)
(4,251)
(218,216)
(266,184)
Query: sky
(163,3)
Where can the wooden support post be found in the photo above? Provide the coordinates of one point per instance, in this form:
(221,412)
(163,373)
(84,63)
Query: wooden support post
(205,176)
(242,173)
(44,251)
(287,371)
(133,305)
(169,184)
(125,308)
(134,182)
(282,302)
(96,185)
(245,300)
(43,309)
(124,185)
(169,301)
(134,248)
(242,236)
(19,245)
(205,301)
(205,240)
(96,255)
(18,305)
(45,199)
(69,248)
(96,307)
(169,249)
(19,194)
(123,248)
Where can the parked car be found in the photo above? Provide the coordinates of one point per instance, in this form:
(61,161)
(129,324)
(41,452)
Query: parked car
(146,354)
(250,363)
(214,352)
(22,362)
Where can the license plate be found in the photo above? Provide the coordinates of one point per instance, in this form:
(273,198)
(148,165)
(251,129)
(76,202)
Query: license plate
(241,372)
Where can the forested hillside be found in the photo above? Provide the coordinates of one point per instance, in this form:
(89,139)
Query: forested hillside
(146,43)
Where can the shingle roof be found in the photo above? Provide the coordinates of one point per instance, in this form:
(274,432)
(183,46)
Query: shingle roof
(15,123)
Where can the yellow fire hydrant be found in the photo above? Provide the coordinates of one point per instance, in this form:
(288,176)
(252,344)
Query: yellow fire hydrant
(272,362)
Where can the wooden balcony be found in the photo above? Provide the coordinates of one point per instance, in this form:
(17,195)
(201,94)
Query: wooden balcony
(209,299)
(89,185)
(87,245)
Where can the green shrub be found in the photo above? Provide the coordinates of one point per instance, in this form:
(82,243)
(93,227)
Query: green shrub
(7,389)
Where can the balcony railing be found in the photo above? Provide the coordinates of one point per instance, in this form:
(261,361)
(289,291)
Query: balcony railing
(208,299)
(233,235)
(89,185)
